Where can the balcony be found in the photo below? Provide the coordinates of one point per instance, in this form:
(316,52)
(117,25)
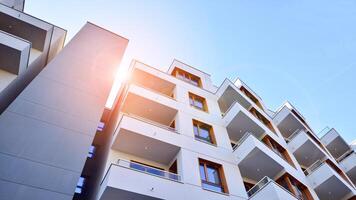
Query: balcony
(153,83)
(149,105)
(336,145)
(256,159)
(266,187)
(146,140)
(348,164)
(17,52)
(238,121)
(305,149)
(329,183)
(289,120)
(130,180)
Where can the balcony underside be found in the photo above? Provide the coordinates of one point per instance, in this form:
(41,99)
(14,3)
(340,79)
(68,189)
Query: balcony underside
(328,184)
(149,108)
(111,193)
(239,123)
(289,124)
(127,141)
(332,189)
(338,147)
(307,153)
(256,160)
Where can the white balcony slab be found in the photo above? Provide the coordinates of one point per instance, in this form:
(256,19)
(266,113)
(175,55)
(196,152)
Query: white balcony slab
(328,184)
(121,183)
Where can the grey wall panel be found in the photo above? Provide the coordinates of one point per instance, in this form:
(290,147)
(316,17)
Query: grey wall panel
(51,124)
(15,191)
(43,142)
(37,175)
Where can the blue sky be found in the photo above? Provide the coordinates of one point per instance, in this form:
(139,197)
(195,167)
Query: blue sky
(302,51)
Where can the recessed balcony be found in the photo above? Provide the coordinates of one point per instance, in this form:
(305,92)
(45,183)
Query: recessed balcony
(305,149)
(24,26)
(153,83)
(150,106)
(16,51)
(266,187)
(336,145)
(328,183)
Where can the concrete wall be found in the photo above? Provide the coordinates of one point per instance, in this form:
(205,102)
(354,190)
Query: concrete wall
(45,134)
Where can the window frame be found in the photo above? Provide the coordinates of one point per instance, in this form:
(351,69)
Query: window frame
(187,77)
(221,177)
(198,125)
(193,98)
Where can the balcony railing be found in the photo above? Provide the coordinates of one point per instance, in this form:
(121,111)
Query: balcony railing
(313,167)
(151,122)
(241,140)
(261,184)
(345,155)
(293,135)
(144,169)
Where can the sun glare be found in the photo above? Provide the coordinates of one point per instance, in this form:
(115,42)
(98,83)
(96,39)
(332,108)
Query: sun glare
(122,75)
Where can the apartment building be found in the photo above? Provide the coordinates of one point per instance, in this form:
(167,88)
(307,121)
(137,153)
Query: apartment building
(170,135)
(175,135)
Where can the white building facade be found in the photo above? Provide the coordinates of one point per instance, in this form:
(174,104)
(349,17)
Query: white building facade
(180,137)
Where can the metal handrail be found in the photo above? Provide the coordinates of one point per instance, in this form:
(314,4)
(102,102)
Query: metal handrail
(149,170)
(313,167)
(126,164)
(345,155)
(241,140)
(293,135)
(151,122)
(230,107)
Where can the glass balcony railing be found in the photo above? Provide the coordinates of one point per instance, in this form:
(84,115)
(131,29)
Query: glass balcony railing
(149,170)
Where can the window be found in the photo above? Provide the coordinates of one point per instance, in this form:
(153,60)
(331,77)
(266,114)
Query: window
(91,151)
(203,132)
(186,76)
(197,102)
(212,176)
(101,126)
(80,185)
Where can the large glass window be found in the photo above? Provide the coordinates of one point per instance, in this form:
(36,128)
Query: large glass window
(203,132)
(211,176)
(186,76)
(197,102)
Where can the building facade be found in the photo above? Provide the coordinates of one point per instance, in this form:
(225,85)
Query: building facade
(178,136)
(170,135)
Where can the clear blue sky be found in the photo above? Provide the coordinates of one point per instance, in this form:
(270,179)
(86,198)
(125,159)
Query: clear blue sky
(302,51)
